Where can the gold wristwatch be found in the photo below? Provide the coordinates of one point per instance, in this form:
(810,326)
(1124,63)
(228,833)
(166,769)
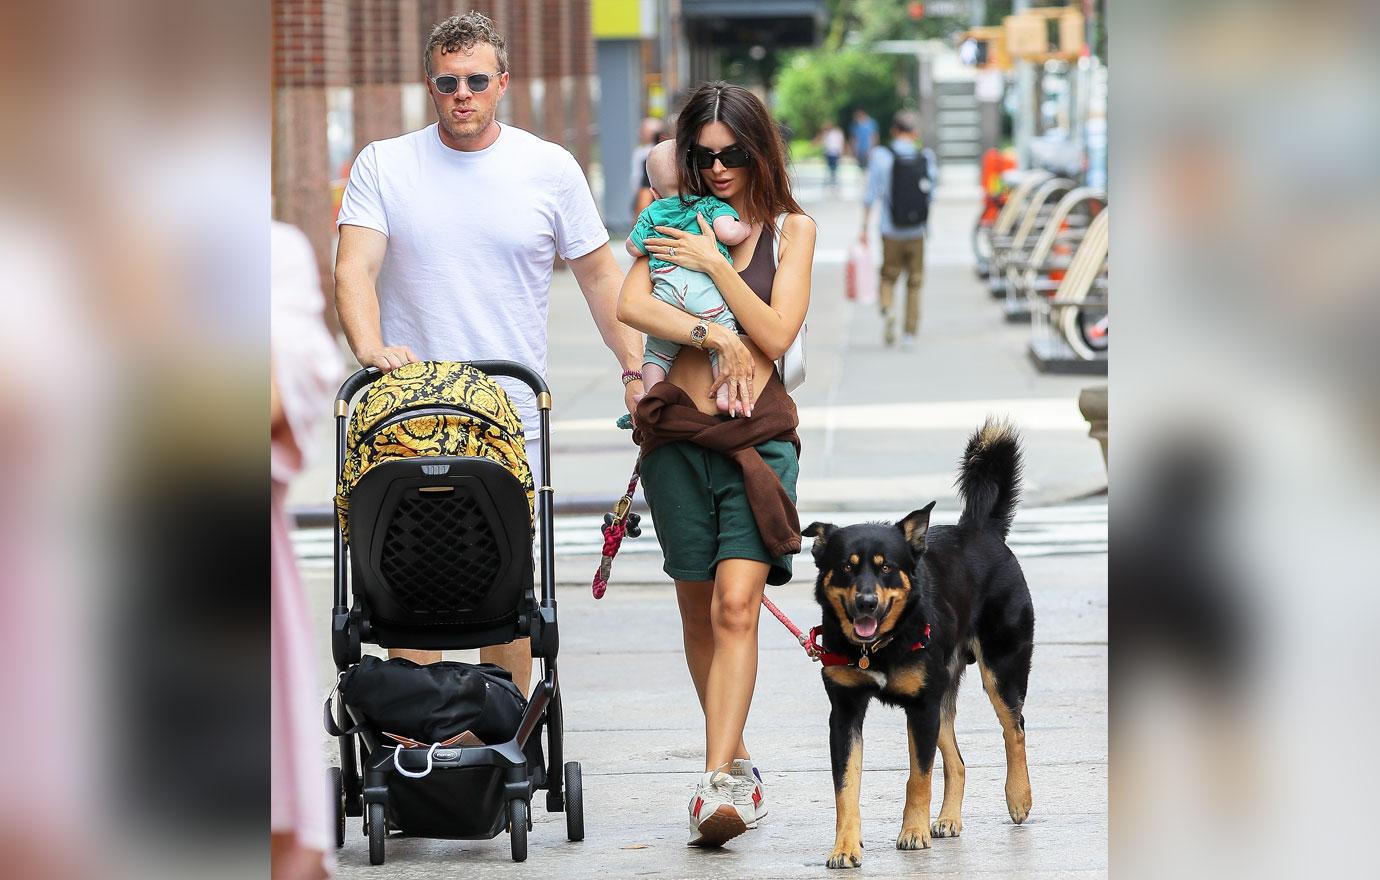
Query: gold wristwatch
(700,333)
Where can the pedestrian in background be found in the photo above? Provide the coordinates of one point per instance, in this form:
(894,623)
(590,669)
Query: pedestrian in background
(901,177)
(448,236)
(305,369)
(832,141)
(864,137)
(653,132)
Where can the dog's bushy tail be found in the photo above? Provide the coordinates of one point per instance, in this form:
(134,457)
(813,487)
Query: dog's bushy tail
(989,478)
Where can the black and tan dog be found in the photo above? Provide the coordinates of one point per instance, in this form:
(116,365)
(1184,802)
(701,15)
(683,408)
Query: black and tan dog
(906,608)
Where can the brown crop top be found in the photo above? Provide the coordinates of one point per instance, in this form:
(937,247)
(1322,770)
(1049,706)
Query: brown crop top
(761,270)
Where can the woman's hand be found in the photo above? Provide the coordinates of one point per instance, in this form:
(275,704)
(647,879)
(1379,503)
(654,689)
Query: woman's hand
(633,393)
(699,253)
(736,368)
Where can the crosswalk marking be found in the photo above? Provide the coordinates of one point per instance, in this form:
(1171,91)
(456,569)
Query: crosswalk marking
(1038,531)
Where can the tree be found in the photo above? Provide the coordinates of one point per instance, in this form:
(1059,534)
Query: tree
(818,86)
(873,20)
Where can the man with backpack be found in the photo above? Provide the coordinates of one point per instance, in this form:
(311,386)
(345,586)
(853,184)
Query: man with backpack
(901,175)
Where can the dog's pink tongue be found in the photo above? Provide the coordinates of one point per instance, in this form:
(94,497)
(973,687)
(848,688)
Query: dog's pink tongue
(865,627)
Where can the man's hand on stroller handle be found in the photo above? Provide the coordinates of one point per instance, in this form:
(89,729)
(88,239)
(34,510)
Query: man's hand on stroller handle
(387,357)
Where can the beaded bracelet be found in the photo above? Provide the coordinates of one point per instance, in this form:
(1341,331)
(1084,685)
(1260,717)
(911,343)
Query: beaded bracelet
(631,376)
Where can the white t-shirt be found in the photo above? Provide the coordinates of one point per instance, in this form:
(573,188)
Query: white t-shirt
(833,142)
(472,238)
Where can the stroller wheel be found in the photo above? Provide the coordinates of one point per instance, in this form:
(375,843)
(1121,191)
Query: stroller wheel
(574,802)
(378,830)
(517,828)
(338,795)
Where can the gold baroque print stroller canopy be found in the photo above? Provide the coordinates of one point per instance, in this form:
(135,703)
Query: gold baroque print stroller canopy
(432,408)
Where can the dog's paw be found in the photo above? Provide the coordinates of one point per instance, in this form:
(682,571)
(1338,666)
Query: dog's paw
(1018,802)
(914,838)
(946,827)
(847,854)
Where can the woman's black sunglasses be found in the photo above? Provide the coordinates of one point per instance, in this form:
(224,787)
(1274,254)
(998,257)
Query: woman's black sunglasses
(448,83)
(732,157)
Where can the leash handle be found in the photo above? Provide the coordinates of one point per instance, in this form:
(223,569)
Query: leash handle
(614,533)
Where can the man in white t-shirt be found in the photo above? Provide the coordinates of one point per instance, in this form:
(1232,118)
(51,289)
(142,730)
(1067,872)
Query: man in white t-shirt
(448,237)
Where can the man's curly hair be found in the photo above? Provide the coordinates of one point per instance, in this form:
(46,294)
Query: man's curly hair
(462,33)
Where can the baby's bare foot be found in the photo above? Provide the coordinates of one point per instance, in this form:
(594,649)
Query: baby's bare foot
(721,399)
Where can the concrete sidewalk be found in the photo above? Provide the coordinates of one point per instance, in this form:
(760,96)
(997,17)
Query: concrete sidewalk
(633,723)
(881,432)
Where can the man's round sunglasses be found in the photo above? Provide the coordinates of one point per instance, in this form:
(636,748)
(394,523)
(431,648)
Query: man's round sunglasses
(731,157)
(448,83)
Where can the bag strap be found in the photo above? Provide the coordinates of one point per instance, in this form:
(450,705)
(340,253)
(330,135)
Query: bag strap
(332,728)
(776,240)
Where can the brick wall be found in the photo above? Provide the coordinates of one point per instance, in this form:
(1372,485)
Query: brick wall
(554,43)
(376,68)
(582,72)
(309,39)
(521,62)
(375,51)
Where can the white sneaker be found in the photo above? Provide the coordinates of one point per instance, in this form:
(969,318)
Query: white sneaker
(748,791)
(908,342)
(714,817)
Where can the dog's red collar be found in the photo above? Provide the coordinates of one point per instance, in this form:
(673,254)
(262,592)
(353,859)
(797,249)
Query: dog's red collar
(832,658)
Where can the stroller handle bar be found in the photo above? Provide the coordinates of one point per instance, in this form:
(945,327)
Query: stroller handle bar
(512,369)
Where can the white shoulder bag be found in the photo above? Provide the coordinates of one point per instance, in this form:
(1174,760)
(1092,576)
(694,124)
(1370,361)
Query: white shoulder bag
(790,365)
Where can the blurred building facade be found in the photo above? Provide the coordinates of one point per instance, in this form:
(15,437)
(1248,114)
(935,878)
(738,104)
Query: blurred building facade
(652,53)
(347,72)
(714,25)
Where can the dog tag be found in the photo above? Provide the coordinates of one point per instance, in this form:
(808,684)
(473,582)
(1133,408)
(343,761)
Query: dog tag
(863,662)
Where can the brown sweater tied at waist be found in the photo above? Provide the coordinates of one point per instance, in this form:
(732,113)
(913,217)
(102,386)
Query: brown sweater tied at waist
(667,414)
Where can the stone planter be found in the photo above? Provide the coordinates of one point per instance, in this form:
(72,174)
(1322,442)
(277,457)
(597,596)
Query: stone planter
(1092,403)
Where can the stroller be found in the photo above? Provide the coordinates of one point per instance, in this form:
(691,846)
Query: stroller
(440,557)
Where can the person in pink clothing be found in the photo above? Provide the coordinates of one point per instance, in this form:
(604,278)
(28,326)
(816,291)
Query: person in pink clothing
(305,369)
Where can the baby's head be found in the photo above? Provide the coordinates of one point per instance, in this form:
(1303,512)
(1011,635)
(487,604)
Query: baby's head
(661,169)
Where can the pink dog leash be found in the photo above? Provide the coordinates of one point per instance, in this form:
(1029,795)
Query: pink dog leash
(618,523)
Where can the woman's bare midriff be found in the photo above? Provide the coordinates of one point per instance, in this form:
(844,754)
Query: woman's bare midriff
(692,374)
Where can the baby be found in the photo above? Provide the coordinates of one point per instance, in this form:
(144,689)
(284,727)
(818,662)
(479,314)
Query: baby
(683,288)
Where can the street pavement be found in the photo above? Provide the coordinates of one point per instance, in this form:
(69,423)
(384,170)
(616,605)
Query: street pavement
(882,431)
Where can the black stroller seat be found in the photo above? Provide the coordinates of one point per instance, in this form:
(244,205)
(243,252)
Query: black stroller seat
(442,542)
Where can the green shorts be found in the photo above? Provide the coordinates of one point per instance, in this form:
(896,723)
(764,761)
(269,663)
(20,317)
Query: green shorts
(701,512)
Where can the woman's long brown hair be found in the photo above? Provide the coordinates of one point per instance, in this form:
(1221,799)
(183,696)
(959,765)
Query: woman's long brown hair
(768,185)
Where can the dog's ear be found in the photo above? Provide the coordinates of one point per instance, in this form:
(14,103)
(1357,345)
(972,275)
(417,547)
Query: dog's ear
(820,531)
(915,526)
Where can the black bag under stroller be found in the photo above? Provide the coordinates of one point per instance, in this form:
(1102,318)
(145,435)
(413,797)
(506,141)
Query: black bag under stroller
(433,544)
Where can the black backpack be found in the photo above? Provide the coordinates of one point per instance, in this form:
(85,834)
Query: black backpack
(910,189)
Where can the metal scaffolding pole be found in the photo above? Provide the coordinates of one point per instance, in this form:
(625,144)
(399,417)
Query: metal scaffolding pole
(1024,121)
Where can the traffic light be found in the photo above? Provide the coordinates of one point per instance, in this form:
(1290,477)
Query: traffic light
(973,52)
